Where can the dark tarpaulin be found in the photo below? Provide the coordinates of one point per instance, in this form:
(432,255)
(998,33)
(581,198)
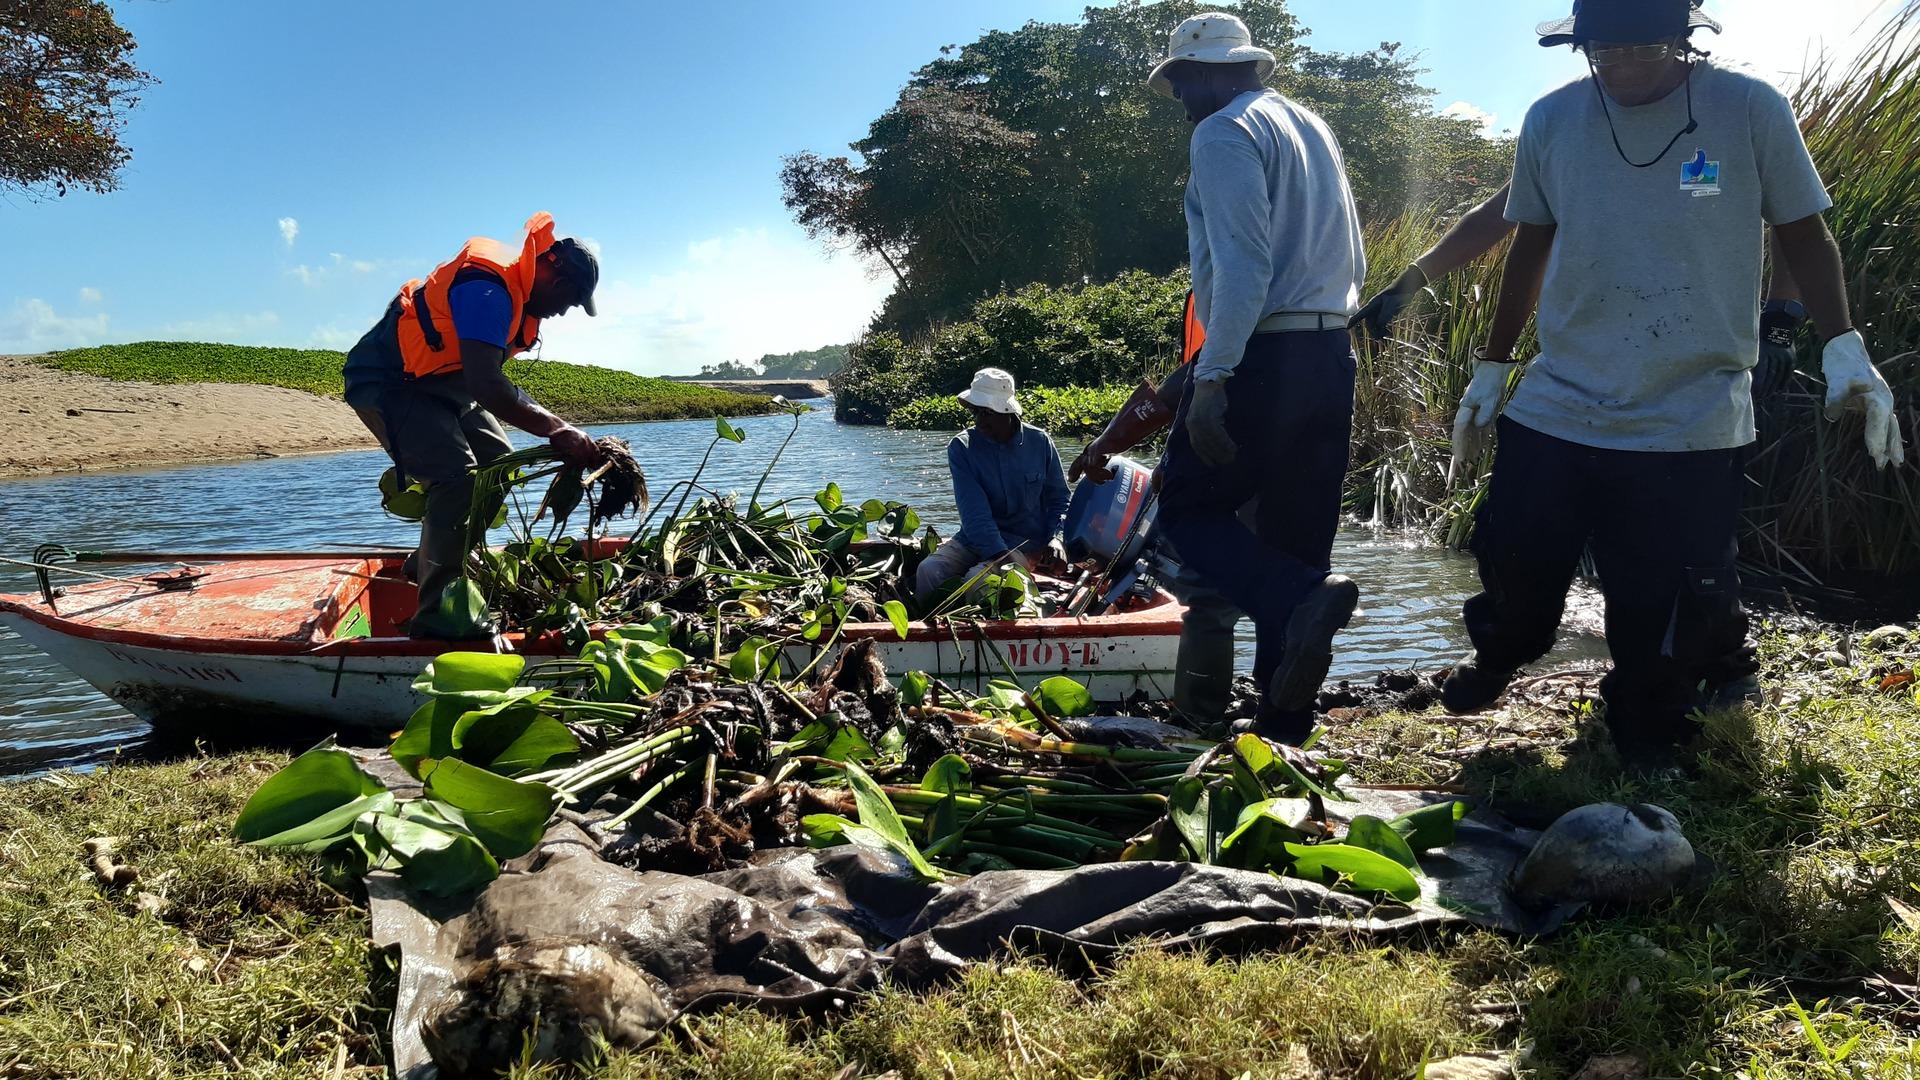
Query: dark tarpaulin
(804,929)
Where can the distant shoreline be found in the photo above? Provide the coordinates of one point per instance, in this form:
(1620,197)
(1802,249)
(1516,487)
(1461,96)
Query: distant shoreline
(791,389)
(68,422)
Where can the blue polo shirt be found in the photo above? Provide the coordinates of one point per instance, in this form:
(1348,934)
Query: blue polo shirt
(1010,494)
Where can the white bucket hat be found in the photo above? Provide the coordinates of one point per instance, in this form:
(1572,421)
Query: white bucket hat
(1212,37)
(992,389)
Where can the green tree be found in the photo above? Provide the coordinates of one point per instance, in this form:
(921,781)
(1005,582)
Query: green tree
(810,364)
(1039,155)
(1400,154)
(729,369)
(67,82)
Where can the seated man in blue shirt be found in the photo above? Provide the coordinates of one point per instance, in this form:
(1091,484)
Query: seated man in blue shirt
(1007,485)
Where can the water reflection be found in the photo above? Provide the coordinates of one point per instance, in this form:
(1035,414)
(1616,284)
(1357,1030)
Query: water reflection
(1410,596)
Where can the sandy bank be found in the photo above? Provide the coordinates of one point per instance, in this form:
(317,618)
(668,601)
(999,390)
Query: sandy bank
(58,421)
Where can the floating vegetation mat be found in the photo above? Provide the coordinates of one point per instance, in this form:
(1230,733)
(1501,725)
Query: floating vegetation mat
(725,569)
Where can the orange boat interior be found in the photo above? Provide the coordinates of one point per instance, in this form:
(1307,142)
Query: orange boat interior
(286,600)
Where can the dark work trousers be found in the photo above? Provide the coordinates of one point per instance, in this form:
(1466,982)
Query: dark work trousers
(1661,530)
(435,432)
(1290,414)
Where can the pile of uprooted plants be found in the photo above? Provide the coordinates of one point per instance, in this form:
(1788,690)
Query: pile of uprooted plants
(702,765)
(676,766)
(727,571)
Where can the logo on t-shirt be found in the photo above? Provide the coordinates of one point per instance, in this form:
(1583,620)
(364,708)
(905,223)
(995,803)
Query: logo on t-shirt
(1700,176)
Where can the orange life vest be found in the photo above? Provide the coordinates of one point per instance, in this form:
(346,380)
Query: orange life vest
(1192,334)
(428,344)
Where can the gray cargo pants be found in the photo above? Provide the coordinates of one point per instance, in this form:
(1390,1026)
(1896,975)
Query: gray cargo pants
(436,434)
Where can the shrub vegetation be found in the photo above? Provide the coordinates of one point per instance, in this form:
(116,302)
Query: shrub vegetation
(1110,334)
(1071,411)
(579,392)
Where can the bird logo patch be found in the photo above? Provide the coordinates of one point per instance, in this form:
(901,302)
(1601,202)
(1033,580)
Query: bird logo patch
(1700,176)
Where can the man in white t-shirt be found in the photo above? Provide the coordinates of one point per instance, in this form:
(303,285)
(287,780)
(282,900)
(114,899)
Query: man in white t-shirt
(1641,194)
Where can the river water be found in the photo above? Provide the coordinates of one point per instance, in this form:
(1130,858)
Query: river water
(1410,592)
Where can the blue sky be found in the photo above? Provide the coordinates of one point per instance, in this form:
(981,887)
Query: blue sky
(297,162)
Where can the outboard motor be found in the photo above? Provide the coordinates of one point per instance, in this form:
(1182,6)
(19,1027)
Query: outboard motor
(1112,521)
(1108,520)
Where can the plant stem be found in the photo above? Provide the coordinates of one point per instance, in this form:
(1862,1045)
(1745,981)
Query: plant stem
(791,432)
(651,794)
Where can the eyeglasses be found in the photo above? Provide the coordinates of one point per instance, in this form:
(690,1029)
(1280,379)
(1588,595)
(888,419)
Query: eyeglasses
(1639,54)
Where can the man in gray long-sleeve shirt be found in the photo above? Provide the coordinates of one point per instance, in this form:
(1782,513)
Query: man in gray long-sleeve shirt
(1007,485)
(1274,239)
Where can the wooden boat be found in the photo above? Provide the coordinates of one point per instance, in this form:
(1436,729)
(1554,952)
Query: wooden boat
(317,638)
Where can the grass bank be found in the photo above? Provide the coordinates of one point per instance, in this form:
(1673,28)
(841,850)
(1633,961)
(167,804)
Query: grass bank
(1791,964)
(580,392)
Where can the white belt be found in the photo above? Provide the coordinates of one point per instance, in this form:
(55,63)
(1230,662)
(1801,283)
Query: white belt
(1281,322)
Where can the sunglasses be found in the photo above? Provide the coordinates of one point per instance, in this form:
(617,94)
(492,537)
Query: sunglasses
(1639,54)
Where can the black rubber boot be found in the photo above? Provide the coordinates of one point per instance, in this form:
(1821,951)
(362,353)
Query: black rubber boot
(1291,728)
(1309,645)
(1737,693)
(1471,686)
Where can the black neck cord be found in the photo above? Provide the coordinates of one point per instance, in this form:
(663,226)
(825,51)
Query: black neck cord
(1691,127)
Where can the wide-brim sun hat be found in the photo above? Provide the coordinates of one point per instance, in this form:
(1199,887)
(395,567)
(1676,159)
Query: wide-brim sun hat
(1629,21)
(1213,37)
(992,390)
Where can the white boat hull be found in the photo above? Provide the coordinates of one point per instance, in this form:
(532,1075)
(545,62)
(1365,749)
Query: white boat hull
(169,687)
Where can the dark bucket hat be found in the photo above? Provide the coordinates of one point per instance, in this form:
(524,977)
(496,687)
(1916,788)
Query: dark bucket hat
(1630,21)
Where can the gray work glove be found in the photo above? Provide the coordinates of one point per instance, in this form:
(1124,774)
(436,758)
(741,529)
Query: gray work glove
(1207,423)
(1375,318)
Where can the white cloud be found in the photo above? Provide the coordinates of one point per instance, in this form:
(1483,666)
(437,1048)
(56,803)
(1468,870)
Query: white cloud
(89,295)
(312,275)
(1466,110)
(34,326)
(335,336)
(736,296)
(1781,38)
(289,228)
(245,328)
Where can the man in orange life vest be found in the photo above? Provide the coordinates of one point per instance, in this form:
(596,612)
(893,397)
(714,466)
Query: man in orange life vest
(428,381)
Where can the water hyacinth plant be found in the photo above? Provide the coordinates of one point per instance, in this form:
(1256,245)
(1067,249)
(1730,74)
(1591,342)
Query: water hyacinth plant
(791,570)
(703,761)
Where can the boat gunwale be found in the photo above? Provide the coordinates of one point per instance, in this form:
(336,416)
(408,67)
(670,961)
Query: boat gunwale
(1158,619)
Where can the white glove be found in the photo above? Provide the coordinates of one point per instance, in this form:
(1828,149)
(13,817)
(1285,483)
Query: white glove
(1853,384)
(1478,407)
